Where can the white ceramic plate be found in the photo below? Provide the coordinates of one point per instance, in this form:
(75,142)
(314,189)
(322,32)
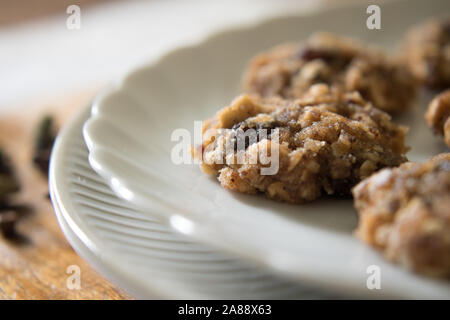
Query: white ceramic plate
(129,138)
(138,252)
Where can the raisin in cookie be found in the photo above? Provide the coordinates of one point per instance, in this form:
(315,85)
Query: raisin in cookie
(325,143)
(438,115)
(289,70)
(426,50)
(405,212)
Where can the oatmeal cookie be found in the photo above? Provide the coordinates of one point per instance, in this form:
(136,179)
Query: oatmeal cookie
(438,115)
(289,70)
(327,141)
(405,213)
(426,49)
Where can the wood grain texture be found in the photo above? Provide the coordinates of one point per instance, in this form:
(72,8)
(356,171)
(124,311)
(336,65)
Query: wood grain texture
(36,268)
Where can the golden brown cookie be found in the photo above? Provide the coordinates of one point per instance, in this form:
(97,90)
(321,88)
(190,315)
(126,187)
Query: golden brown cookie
(323,143)
(289,70)
(438,115)
(405,213)
(426,49)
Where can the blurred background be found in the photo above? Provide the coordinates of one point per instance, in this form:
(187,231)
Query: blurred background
(43,59)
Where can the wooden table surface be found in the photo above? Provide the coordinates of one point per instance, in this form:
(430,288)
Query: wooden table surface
(37,268)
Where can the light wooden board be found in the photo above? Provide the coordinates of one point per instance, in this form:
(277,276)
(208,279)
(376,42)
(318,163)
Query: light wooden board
(37,269)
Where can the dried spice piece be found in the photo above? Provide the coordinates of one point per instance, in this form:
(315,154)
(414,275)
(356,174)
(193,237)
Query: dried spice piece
(45,138)
(9,214)
(8,181)
(8,220)
(21,209)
